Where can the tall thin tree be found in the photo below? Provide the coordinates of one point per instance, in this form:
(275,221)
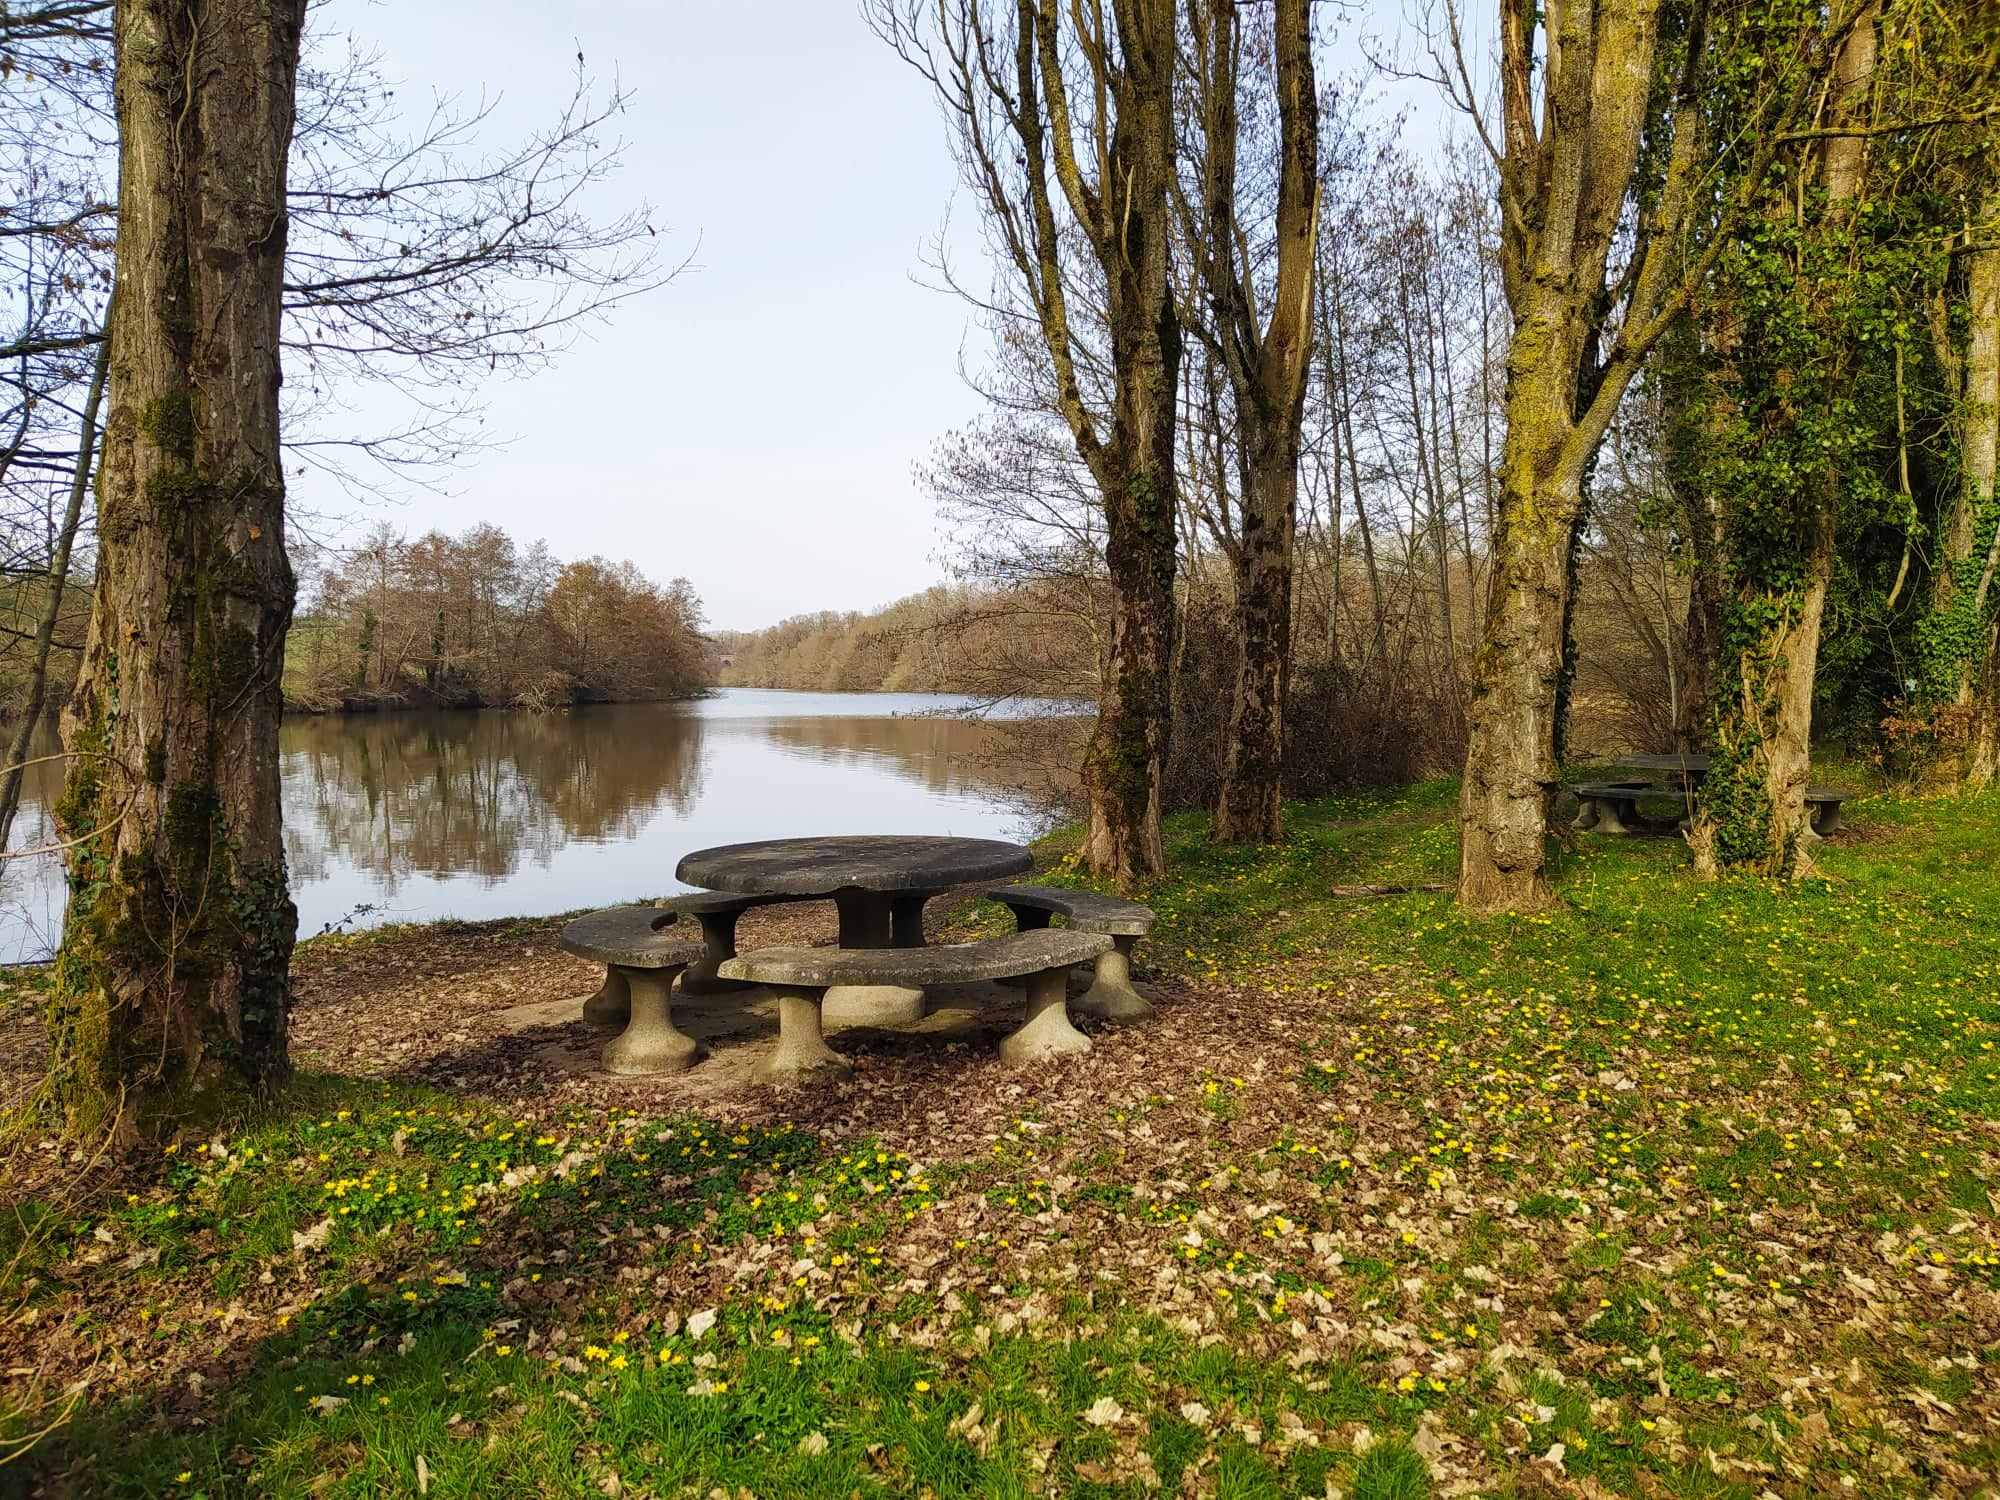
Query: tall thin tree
(1267,356)
(1063,122)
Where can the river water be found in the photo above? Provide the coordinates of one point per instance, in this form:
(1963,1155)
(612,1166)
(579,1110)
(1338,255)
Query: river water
(411,817)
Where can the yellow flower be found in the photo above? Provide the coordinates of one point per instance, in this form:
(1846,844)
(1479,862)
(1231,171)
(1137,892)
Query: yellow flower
(923,1385)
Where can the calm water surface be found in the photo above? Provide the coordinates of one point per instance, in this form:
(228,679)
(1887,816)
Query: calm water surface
(409,817)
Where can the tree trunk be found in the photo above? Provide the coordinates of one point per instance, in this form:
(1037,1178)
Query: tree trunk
(1982,768)
(1703,626)
(171,992)
(1268,369)
(1135,468)
(58,588)
(1128,748)
(1248,808)
(1788,750)
(1564,185)
(1510,766)
(1955,644)
(1768,729)
(1753,809)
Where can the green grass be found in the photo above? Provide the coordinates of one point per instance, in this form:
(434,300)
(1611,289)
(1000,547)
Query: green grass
(1686,1188)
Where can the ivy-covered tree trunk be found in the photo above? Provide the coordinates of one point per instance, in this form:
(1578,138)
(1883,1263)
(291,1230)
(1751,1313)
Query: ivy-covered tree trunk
(1799,427)
(1128,748)
(1955,643)
(1753,809)
(1248,806)
(170,992)
(1983,760)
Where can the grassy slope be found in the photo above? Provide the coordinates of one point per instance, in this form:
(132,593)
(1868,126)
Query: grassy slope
(1682,1190)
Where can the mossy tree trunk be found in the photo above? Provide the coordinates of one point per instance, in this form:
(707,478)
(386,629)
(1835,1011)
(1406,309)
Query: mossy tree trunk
(1510,765)
(1267,369)
(1125,213)
(1248,805)
(1566,176)
(171,987)
(1982,768)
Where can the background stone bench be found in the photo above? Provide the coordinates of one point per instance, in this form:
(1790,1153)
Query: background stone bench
(1611,807)
(1826,809)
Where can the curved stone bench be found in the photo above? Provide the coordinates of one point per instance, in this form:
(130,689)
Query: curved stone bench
(1110,995)
(1611,806)
(717,912)
(802,976)
(641,955)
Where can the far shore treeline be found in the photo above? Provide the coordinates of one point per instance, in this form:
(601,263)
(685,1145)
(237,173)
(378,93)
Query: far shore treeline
(480,621)
(477,620)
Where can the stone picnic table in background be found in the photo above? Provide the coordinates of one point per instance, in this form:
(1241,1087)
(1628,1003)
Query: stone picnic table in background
(878,884)
(1613,806)
(1689,768)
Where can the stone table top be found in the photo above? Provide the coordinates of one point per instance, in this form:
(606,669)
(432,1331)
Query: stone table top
(868,862)
(1680,765)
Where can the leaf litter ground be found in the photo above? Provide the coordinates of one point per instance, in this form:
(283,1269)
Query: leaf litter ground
(1681,1190)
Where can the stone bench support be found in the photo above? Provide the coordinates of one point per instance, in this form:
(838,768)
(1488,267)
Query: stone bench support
(804,977)
(1047,1031)
(612,1004)
(1826,810)
(642,957)
(1610,807)
(802,1053)
(717,912)
(1110,996)
(650,1042)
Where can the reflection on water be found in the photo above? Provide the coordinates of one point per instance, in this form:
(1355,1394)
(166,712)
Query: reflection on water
(476,793)
(416,816)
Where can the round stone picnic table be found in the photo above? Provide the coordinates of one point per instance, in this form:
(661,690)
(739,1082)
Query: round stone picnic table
(1686,767)
(878,884)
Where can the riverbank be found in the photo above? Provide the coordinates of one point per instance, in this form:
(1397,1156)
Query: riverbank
(416,700)
(1683,1189)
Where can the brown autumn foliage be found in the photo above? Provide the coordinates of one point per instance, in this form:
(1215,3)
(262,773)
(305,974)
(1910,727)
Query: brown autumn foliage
(477,621)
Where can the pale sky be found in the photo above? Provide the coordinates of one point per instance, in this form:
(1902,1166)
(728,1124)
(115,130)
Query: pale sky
(751,426)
